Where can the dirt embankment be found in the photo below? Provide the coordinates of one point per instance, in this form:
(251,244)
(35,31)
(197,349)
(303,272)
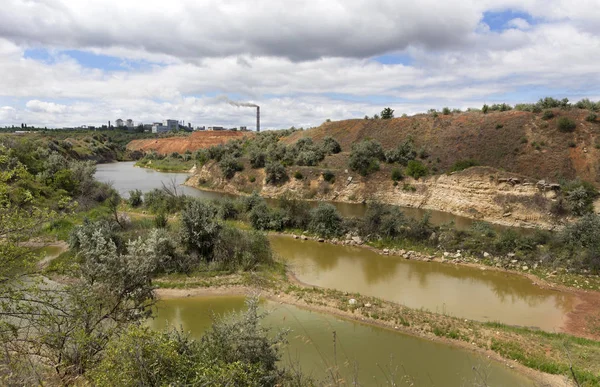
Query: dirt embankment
(514,141)
(479,193)
(197,140)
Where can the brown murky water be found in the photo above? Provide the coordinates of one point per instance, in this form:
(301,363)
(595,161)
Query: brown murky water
(368,353)
(482,295)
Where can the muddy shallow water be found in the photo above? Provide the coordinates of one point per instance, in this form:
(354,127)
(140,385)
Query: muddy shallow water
(370,353)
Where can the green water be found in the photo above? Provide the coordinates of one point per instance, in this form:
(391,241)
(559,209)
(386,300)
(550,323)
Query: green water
(366,352)
(482,295)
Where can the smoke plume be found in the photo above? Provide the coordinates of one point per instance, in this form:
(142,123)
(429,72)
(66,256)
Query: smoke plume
(239,104)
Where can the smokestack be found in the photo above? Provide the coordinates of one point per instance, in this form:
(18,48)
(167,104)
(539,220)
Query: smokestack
(258,118)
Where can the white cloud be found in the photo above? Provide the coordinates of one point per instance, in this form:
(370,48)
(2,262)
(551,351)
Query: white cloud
(295,59)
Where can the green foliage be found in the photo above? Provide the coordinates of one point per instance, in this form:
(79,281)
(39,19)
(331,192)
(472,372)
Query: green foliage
(257,158)
(161,220)
(446,111)
(329,176)
(275,173)
(548,114)
(416,169)
(592,117)
(402,154)
(485,109)
(264,218)
(397,174)
(245,250)
(566,125)
(331,146)
(383,221)
(580,196)
(163,201)
(325,220)
(387,113)
(582,240)
(135,198)
(463,164)
(229,166)
(298,175)
(365,157)
(199,228)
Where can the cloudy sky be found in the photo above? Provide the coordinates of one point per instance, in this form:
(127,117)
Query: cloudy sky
(77,62)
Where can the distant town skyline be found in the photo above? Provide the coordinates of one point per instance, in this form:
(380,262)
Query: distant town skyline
(303,64)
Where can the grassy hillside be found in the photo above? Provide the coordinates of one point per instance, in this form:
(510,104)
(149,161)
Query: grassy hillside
(516,141)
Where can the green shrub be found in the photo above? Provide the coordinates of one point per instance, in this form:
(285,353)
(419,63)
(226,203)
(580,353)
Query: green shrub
(572,144)
(591,117)
(331,146)
(161,220)
(298,175)
(325,221)
(499,126)
(416,169)
(580,196)
(397,174)
(566,125)
(365,156)
(252,179)
(328,176)
(257,158)
(199,228)
(463,164)
(246,250)
(485,108)
(229,166)
(275,173)
(548,114)
(446,111)
(402,154)
(135,198)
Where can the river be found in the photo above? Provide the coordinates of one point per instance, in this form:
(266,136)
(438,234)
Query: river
(124,177)
(482,295)
(368,352)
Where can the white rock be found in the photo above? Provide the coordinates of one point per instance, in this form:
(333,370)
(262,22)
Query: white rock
(525,268)
(367,305)
(486,254)
(352,301)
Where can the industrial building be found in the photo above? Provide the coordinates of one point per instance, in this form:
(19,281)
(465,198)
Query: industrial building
(165,126)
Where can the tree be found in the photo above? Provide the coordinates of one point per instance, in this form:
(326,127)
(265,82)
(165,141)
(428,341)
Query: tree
(387,113)
(416,169)
(365,157)
(199,228)
(325,220)
(275,173)
(485,108)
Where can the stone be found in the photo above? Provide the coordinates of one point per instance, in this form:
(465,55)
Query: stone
(486,255)
(349,180)
(357,240)
(367,305)
(525,268)
(304,237)
(446,254)
(296,236)
(352,301)
(510,255)
(507,214)
(386,251)
(514,261)
(321,240)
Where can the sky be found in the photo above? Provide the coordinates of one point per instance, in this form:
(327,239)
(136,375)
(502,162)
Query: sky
(85,62)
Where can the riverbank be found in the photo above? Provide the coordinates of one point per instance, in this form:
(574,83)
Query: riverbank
(479,193)
(496,342)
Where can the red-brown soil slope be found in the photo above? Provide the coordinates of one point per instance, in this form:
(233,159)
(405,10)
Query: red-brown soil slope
(197,140)
(518,142)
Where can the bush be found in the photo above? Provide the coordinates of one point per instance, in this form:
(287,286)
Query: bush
(397,175)
(229,166)
(309,158)
(325,221)
(416,169)
(446,111)
(485,108)
(161,220)
(463,164)
(387,113)
(580,196)
(331,146)
(199,228)
(582,239)
(246,250)
(365,156)
(566,125)
(135,198)
(257,158)
(548,114)
(382,221)
(275,173)
(591,117)
(401,154)
(264,218)
(328,176)
(298,175)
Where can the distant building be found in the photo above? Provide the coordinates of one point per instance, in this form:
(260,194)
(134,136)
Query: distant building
(171,124)
(129,124)
(215,128)
(200,128)
(120,123)
(243,128)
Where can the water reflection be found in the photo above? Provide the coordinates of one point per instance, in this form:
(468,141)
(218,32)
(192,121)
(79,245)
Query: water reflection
(483,295)
(361,350)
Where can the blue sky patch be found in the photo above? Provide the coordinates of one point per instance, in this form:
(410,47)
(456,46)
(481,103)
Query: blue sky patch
(402,59)
(497,21)
(89,60)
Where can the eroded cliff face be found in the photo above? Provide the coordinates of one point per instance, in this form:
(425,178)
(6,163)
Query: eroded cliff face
(480,193)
